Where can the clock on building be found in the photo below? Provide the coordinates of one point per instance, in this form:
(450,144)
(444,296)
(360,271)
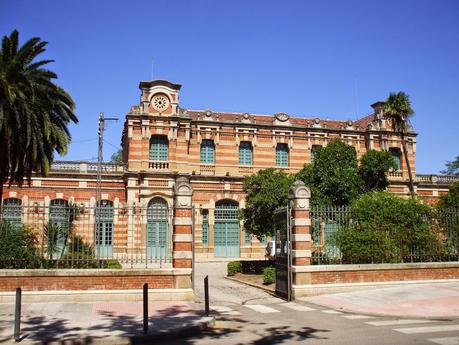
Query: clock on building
(160,102)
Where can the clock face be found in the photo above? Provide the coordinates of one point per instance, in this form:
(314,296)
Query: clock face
(160,102)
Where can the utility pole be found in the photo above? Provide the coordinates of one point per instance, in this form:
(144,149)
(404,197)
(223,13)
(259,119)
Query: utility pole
(100,159)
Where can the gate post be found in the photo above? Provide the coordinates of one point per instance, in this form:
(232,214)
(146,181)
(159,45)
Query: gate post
(299,196)
(182,222)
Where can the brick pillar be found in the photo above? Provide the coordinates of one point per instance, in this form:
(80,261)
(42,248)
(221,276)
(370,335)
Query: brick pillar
(182,237)
(299,196)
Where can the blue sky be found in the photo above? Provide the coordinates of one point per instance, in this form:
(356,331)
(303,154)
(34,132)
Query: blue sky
(330,59)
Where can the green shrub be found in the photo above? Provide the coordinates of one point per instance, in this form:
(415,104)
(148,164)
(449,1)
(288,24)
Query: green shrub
(269,275)
(387,228)
(18,247)
(234,267)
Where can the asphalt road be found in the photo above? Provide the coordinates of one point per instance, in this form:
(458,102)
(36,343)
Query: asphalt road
(246,315)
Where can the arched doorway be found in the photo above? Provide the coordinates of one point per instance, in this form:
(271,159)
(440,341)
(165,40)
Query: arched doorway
(226,230)
(157,229)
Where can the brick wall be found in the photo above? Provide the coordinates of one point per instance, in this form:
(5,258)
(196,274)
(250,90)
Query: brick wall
(63,280)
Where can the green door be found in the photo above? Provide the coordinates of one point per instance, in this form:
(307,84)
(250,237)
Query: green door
(58,228)
(104,229)
(157,230)
(226,230)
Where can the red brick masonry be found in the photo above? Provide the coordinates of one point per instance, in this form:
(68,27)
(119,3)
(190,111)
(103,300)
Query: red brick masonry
(342,274)
(92,279)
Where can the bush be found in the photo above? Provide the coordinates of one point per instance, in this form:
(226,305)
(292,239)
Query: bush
(234,267)
(269,275)
(255,266)
(18,247)
(386,228)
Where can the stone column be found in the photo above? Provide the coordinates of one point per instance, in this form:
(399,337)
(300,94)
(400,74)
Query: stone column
(182,236)
(299,196)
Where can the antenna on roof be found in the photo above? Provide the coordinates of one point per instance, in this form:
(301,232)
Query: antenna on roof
(356,106)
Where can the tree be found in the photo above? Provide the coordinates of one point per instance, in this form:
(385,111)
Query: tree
(373,169)
(266,191)
(117,157)
(452,167)
(34,112)
(333,177)
(397,109)
(452,198)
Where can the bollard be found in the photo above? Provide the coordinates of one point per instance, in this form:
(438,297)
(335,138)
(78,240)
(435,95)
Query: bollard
(17,315)
(145,308)
(206,294)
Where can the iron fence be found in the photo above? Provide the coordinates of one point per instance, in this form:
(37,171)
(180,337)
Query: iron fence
(338,239)
(61,235)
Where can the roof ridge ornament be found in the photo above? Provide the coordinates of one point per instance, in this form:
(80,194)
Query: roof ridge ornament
(282,117)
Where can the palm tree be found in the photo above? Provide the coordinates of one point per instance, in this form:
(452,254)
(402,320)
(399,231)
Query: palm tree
(34,112)
(397,109)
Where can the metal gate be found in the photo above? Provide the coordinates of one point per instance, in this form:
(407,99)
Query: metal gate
(157,229)
(282,226)
(226,229)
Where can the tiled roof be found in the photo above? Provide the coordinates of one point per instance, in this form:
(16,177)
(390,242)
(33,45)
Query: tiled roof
(360,124)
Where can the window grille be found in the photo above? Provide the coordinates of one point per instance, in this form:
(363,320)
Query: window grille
(159,148)
(227,210)
(282,155)
(12,210)
(207,151)
(205,227)
(245,153)
(59,213)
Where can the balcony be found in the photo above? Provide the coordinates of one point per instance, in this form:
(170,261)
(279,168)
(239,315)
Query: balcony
(395,175)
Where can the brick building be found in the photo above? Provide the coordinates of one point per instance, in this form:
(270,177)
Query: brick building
(176,158)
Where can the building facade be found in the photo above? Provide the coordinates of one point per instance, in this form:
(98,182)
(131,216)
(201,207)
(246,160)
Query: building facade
(185,167)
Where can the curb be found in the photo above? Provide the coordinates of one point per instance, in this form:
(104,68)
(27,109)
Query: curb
(266,289)
(350,311)
(204,324)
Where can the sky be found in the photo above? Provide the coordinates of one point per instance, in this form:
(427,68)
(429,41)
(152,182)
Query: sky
(327,59)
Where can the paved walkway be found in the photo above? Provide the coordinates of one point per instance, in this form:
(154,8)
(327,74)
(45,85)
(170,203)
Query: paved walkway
(428,300)
(101,322)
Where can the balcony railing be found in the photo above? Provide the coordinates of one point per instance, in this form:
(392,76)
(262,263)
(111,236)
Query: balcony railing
(82,167)
(395,175)
(436,179)
(159,165)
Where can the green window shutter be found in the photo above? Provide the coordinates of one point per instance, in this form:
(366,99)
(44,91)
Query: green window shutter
(248,239)
(12,211)
(159,148)
(264,239)
(282,155)
(205,228)
(314,150)
(207,151)
(245,153)
(396,155)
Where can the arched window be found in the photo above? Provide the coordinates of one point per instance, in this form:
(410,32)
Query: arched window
(11,211)
(159,148)
(207,151)
(104,229)
(226,229)
(282,155)
(157,230)
(245,153)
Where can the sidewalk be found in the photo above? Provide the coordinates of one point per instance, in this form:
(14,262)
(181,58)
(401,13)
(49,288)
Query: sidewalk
(101,322)
(426,300)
